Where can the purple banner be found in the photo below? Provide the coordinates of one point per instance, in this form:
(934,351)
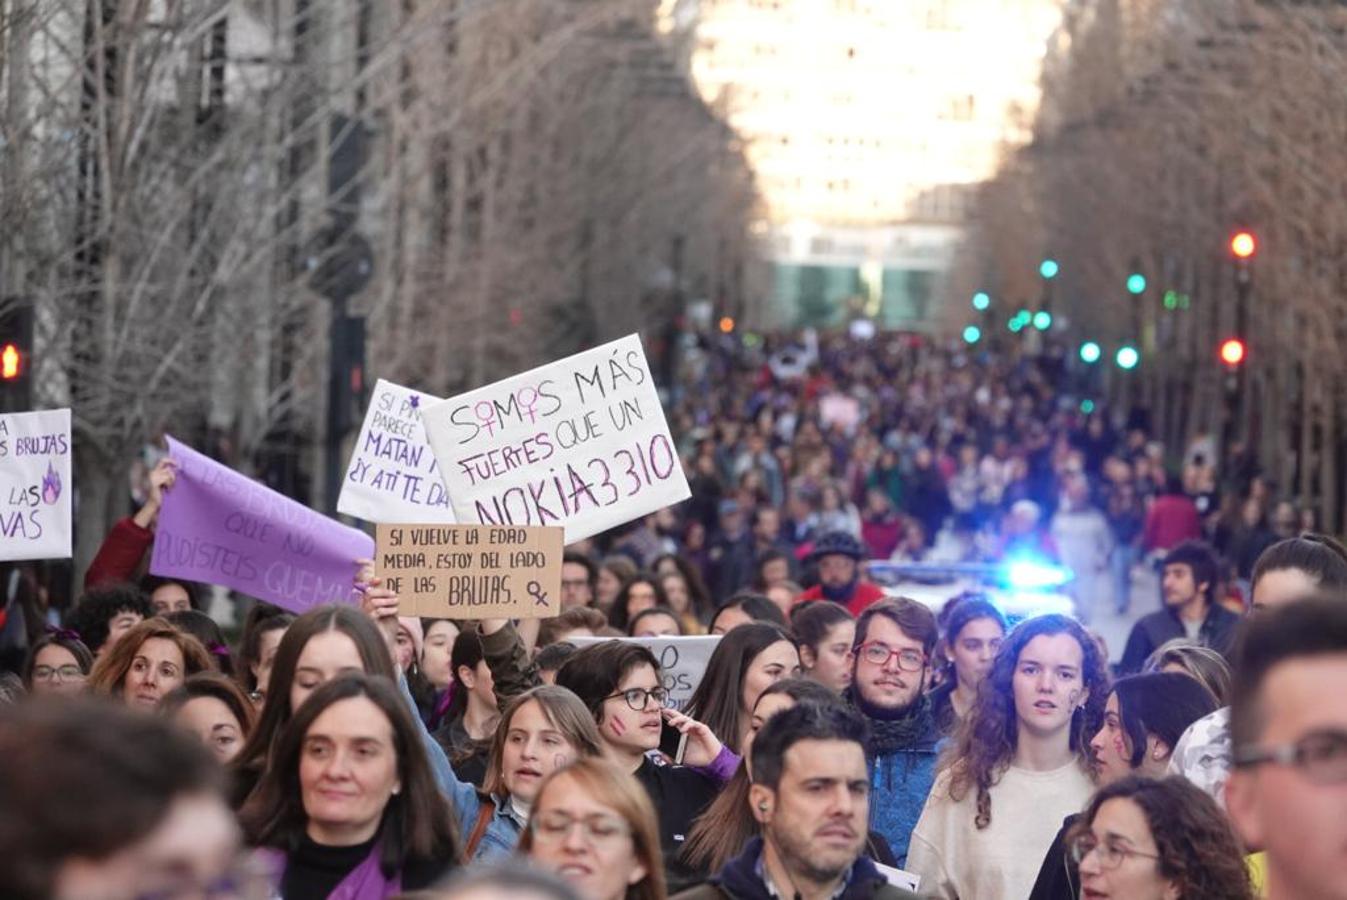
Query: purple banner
(221,527)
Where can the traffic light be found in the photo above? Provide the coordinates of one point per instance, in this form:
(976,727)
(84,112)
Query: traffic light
(1049,269)
(1127,357)
(982,301)
(1243,244)
(1232,352)
(1090,353)
(16,357)
(1136,283)
(972,334)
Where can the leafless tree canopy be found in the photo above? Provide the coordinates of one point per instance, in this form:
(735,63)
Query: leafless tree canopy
(1166,125)
(536,176)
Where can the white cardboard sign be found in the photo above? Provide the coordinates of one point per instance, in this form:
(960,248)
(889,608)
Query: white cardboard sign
(393,476)
(35,485)
(682,660)
(581,443)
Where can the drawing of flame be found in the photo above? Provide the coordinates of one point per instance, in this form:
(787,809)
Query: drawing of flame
(51,486)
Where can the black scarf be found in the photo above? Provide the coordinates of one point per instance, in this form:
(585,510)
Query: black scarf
(894,730)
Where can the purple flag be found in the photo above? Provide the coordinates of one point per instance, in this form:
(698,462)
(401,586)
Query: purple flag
(221,527)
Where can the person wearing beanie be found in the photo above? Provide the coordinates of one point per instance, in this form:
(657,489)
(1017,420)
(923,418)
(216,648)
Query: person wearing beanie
(892,650)
(838,556)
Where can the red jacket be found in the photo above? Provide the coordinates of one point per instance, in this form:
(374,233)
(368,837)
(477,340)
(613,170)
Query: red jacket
(1172,519)
(864,595)
(120,554)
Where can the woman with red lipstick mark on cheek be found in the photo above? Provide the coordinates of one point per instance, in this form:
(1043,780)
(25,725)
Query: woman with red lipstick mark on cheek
(620,684)
(1020,765)
(541,731)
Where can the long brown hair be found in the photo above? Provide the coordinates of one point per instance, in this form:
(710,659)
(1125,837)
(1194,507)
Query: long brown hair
(563,711)
(986,741)
(276,711)
(620,790)
(720,833)
(109,671)
(1198,851)
(417,821)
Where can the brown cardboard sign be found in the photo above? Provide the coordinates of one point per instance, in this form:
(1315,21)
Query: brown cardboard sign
(472,571)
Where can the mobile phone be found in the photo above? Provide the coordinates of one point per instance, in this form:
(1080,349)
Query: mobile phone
(672,742)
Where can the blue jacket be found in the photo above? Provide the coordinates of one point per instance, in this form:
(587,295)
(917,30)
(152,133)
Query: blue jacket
(899,784)
(502,833)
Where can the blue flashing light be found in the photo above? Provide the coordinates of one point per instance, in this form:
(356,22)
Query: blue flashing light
(1031,575)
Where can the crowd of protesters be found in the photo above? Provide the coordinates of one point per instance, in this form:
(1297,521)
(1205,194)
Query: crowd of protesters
(841,734)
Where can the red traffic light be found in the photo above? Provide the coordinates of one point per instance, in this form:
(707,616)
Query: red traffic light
(1232,352)
(1243,244)
(11,362)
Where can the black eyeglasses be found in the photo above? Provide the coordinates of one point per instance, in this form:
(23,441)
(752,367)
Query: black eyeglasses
(1321,756)
(637,698)
(1111,855)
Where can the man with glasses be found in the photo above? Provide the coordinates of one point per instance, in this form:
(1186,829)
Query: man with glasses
(578,574)
(811,799)
(894,642)
(1287,793)
(620,683)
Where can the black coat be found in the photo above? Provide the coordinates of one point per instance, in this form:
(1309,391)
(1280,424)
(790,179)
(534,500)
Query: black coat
(1059,876)
(679,795)
(1153,630)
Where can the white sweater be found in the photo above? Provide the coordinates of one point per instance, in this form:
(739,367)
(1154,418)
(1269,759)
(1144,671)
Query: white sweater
(958,861)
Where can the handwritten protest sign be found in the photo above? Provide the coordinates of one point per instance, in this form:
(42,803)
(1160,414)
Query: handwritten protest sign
(222,527)
(35,485)
(471,571)
(393,475)
(682,661)
(581,443)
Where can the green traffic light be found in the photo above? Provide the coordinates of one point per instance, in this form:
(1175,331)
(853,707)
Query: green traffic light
(972,334)
(1049,268)
(1136,283)
(981,300)
(1087,406)
(1015,324)
(1127,357)
(1042,320)
(1090,352)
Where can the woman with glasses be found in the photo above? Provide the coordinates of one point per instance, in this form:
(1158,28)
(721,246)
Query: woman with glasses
(349,805)
(147,662)
(621,686)
(972,630)
(1020,764)
(1143,839)
(746,661)
(594,826)
(1144,718)
(58,663)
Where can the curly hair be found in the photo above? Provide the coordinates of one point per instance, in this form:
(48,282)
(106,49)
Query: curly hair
(1198,851)
(986,741)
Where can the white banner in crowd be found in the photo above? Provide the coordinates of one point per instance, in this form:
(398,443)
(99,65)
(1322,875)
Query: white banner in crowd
(581,443)
(393,476)
(682,660)
(35,485)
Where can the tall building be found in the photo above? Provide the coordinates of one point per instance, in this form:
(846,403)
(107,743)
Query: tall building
(868,123)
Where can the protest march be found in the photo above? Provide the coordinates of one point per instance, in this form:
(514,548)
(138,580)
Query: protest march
(828,616)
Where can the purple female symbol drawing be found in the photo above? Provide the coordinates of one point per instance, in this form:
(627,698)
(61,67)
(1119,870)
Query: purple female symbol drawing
(528,401)
(486,414)
(51,486)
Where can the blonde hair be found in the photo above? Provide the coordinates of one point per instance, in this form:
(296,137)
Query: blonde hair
(619,790)
(563,710)
(109,671)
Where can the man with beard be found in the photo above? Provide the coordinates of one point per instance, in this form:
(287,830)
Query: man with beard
(838,556)
(811,798)
(894,642)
